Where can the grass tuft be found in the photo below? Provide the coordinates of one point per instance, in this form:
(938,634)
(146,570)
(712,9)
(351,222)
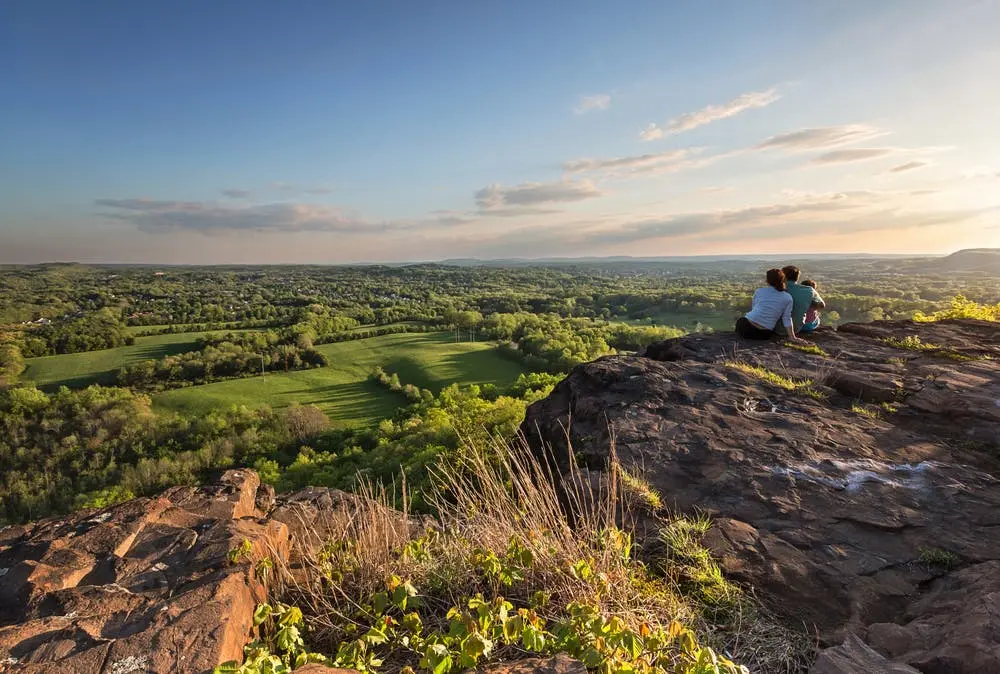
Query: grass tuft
(910,343)
(814,349)
(865,410)
(804,386)
(640,490)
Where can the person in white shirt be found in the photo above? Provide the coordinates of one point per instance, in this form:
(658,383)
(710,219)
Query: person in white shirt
(771,305)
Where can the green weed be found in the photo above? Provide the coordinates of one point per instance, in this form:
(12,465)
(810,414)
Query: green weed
(813,349)
(938,559)
(768,376)
(865,410)
(640,489)
(240,552)
(910,343)
(804,386)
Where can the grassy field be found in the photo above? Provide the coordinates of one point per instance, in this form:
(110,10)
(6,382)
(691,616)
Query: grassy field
(343,390)
(690,320)
(77,370)
(192,327)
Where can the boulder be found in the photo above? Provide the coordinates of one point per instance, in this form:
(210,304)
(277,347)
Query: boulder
(847,516)
(143,586)
(855,657)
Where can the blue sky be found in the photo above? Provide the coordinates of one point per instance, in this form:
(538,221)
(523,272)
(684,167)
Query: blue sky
(193,132)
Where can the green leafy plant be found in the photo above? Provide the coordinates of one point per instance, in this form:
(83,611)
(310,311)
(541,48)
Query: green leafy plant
(962,307)
(240,552)
(910,343)
(938,559)
(280,648)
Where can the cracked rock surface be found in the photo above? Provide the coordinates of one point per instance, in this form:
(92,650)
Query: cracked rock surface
(143,586)
(863,505)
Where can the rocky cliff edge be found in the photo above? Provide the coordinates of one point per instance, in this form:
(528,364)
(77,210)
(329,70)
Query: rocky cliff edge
(854,486)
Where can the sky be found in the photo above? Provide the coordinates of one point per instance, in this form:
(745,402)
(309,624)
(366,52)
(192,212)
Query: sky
(193,132)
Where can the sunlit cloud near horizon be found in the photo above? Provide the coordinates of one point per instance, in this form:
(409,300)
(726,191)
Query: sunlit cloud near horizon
(829,138)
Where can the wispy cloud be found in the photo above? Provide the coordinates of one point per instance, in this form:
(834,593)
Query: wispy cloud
(651,132)
(857,154)
(237,194)
(825,214)
(208,217)
(495,197)
(981,172)
(635,161)
(908,166)
(711,113)
(590,103)
(820,137)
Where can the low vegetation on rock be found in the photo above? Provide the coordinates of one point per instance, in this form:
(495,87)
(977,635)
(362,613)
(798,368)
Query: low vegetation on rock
(504,571)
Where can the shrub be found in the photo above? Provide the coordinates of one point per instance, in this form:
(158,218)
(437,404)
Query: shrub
(962,307)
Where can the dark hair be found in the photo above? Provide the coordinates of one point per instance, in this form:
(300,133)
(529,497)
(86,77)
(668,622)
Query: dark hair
(776,279)
(809,282)
(791,273)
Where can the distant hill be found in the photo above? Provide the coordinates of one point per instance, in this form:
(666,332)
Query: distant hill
(986,260)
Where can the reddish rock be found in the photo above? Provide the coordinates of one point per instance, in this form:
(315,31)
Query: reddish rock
(144,586)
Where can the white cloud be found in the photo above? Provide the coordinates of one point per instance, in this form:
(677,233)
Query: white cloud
(208,217)
(595,102)
(981,172)
(631,162)
(856,154)
(711,113)
(814,214)
(495,197)
(237,194)
(820,137)
(651,132)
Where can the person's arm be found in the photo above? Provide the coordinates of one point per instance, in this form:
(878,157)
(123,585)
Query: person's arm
(817,301)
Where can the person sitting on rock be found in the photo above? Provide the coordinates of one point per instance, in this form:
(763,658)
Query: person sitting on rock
(803,297)
(771,305)
(812,320)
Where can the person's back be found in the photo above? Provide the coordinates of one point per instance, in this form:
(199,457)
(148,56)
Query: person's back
(803,297)
(770,307)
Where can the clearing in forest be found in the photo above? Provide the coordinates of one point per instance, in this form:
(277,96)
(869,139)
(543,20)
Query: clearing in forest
(77,370)
(343,388)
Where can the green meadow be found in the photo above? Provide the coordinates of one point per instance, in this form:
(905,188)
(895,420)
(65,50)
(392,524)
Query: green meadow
(343,389)
(77,370)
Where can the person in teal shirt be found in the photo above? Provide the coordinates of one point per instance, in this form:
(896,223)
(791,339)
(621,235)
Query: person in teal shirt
(803,297)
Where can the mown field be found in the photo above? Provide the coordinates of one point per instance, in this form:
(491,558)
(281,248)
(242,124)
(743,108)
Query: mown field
(77,370)
(186,327)
(343,389)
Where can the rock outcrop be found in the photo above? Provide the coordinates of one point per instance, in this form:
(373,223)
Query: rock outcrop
(864,504)
(165,584)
